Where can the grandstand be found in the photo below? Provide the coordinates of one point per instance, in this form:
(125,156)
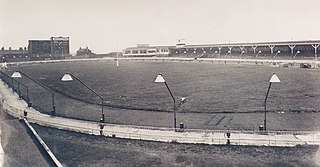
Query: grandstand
(144,50)
(260,50)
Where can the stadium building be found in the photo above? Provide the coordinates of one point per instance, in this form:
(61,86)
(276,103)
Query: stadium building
(144,50)
(285,49)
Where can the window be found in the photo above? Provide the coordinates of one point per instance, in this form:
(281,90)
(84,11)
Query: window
(143,51)
(151,51)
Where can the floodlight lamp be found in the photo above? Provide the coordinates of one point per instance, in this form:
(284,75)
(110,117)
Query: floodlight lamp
(159,79)
(16,74)
(259,51)
(67,77)
(243,51)
(298,51)
(278,51)
(274,78)
(183,99)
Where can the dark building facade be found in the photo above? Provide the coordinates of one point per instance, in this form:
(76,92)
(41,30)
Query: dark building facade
(39,47)
(60,45)
(55,48)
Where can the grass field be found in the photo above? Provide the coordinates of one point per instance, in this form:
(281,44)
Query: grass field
(218,96)
(75,149)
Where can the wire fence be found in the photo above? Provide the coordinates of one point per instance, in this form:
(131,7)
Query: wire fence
(181,135)
(218,137)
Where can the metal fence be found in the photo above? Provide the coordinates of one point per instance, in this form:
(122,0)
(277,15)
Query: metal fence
(217,137)
(205,136)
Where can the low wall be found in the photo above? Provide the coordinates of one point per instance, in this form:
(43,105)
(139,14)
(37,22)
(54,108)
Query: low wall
(276,62)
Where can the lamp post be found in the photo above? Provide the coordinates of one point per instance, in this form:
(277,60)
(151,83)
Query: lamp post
(19,90)
(274,78)
(277,54)
(70,77)
(27,89)
(298,52)
(242,52)
(160,79)
(4,76)
(18,74)
(215,52)
(229,52)
(258,53)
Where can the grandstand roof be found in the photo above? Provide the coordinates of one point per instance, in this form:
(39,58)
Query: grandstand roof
(308,42)
(305,42)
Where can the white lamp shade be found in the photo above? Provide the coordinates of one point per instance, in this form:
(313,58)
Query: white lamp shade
(67,77)
(274,78)
(183,99)
(16,75)
(159,79)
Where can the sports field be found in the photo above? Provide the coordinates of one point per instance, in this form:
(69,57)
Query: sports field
(219,96)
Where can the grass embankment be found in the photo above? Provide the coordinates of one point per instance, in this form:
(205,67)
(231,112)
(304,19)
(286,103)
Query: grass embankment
(75,149)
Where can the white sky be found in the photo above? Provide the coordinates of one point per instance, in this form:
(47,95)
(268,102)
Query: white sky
(109,25)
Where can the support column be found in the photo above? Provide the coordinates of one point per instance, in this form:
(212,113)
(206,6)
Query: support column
(254,47)
(241,49)
(292,47)
(315,46)
(219,47)
(271,48)
(230,48)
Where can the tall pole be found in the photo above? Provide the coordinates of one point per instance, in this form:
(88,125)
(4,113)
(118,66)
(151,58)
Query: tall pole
(53,111)
(265,108)
(174,107)
(102,100)
(6,78)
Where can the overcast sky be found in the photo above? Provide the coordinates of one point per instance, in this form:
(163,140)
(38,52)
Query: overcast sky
(109,25)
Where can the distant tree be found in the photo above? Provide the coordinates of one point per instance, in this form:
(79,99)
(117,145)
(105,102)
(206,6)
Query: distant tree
(20,48)
(9,48)
(25,48)
(2,48)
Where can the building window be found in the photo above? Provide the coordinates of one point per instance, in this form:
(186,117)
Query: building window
(143,51)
